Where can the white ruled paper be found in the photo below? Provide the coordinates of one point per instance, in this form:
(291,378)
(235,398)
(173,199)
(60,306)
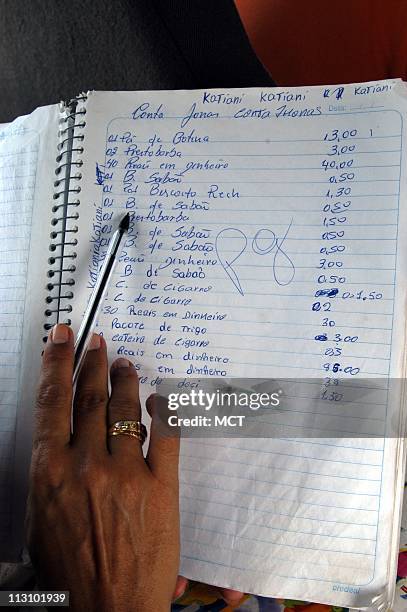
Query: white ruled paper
(27,165)
(266,241)
(18,168)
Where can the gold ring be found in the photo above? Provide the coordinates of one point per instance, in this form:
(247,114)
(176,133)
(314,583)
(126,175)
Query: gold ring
(134,429)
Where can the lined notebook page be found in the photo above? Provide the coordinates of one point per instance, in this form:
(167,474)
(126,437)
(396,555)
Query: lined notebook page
(249,207)
(18,167)
(26,178)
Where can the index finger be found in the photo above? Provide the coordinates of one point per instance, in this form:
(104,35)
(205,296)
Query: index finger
(54,394)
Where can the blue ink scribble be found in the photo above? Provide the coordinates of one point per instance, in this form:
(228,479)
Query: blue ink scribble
(100,176)
(282,254)
(224,236)
(264,242)
(273,243)
(327,292)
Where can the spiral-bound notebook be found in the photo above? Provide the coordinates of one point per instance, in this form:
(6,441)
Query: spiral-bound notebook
(267,241)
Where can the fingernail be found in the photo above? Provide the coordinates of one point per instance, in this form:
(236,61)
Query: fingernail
(60,334)
(94,344)
(120,363)
(178,595)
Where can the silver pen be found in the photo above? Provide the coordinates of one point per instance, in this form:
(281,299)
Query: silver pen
(96,299)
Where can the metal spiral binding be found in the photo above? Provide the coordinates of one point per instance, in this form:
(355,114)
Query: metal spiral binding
(62,259)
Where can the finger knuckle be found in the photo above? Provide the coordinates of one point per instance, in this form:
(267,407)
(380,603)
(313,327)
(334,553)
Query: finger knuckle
(90,400)
(57,364)
(52,394)
(47,473)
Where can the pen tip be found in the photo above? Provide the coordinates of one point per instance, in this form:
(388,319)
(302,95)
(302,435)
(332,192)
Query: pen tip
(124,223)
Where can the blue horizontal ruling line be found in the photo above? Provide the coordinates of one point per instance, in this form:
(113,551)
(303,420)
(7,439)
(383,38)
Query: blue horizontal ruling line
(324,535)
(268,467)
(14,201)
(307,324)
(324,154)
(119,273)
(20,215)
(304,310)
(18,188)
(16,225)
(307,282)
(271,210)
(16,176)
(16,164)
(257,570)
(250,168)
(304,353)
(269,452)
(238,181)
(7,263)
(173,331)
(267,308)
(267,557)
(310,296)
(274,543)
(268,336)
(180,259)
(11,313)
(294,225)
(257,510)
(268,210)
(356,312)
(23,151)
(295,501)
(269,140)
(282,484)
(249,196)
(181,254)
(316,381)
(2,325)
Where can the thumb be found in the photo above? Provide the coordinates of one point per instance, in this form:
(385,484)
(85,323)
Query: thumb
(163,451)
